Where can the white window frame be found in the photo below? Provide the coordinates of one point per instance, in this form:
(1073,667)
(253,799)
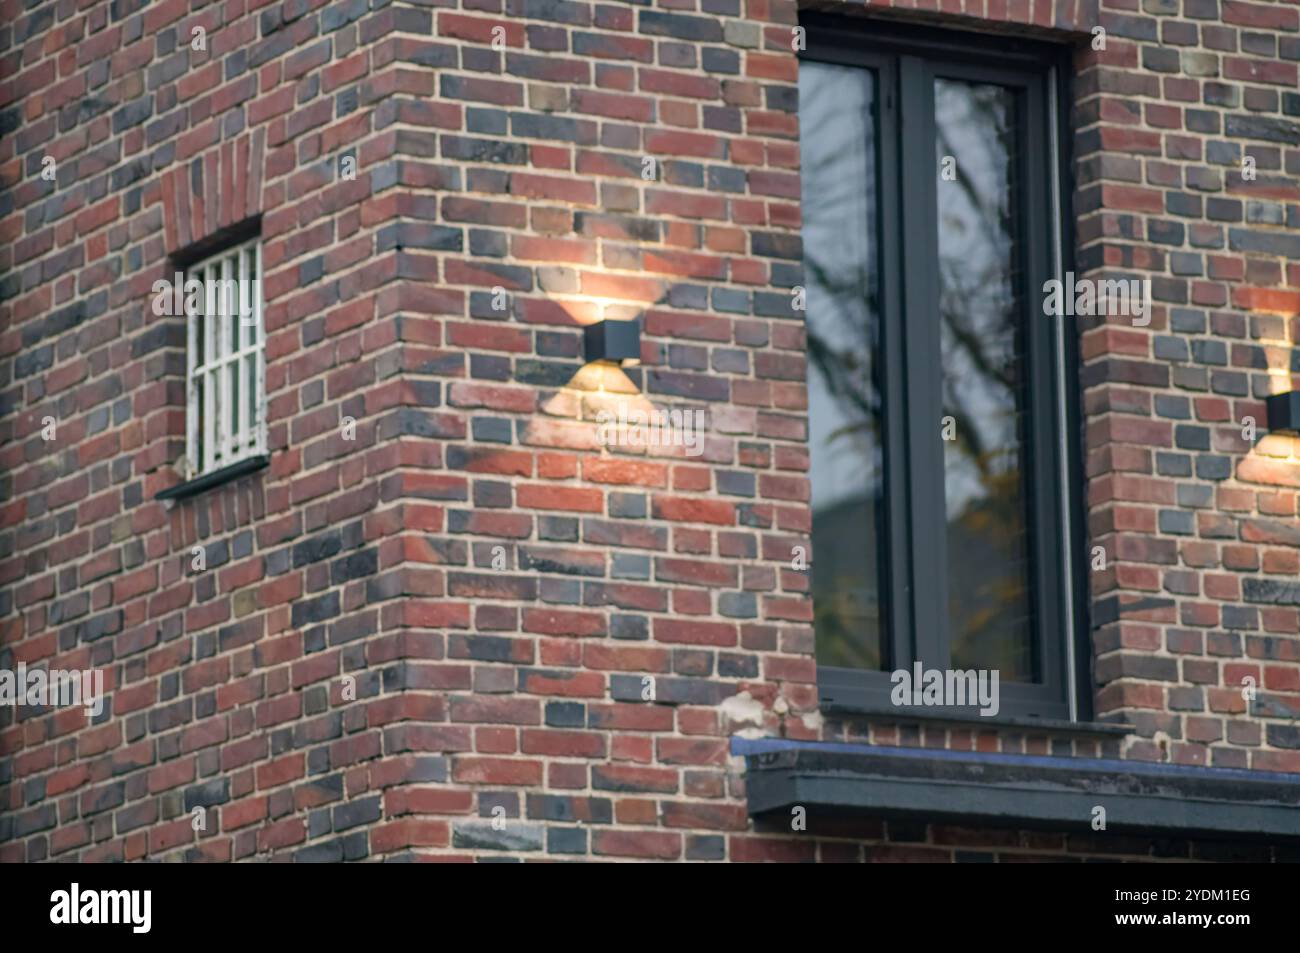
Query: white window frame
(223,425)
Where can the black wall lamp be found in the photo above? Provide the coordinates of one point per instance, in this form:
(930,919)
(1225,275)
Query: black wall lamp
(618,342)
(1284,413)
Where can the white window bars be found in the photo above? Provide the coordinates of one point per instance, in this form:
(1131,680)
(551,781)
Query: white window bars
(226,360)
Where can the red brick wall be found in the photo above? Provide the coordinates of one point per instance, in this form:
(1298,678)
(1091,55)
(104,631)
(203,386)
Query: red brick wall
(1201,528)
(518,692)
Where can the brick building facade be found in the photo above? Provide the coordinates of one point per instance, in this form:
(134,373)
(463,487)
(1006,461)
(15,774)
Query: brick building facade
(499,586)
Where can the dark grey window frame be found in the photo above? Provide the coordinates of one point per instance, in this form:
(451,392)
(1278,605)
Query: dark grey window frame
(906,60)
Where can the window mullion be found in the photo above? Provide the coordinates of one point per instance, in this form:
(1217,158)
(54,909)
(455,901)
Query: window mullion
(922,360)
(191,387)
(1046,583)
(229,421)
(241,411)
(259,360)
(898,564)
(210,326)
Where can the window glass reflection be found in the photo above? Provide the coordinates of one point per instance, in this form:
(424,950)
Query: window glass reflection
(838,142)
(983,380)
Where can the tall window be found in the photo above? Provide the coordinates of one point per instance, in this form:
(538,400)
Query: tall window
(226,379)
(938,397)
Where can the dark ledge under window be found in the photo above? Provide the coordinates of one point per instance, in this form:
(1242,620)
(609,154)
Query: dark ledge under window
(217,477)
(971,719)
(838,780)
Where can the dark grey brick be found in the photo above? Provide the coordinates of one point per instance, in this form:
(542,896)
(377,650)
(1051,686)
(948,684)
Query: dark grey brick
(363,811)
(738,605)
(702,29)
(705,847)
(515,836)
(730,300)
(1173,464)
(307,611)
(1191,437)
(566,714)
(207,794)
(1213,467)
(1271,591)
(1177,522)
(1170,348)
(566,840)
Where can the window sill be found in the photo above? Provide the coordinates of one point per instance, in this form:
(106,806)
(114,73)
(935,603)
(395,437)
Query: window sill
(216,478)
(939,785)
(845,693)
(1023,724)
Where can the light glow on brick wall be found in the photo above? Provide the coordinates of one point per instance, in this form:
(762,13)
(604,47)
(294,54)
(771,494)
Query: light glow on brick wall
(1277,354)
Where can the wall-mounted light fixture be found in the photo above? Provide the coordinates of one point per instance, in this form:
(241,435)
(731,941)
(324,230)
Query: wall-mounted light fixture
(1284,413)
(618,342)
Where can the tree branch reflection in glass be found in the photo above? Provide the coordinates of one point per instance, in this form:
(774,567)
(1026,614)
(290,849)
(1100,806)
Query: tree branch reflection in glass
(980,313)
(840,227)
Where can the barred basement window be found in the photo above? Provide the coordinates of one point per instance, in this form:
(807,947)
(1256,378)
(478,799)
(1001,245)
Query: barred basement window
(944,465)
(226,360)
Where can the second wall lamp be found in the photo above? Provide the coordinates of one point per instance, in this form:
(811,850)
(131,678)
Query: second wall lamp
(1284,413)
